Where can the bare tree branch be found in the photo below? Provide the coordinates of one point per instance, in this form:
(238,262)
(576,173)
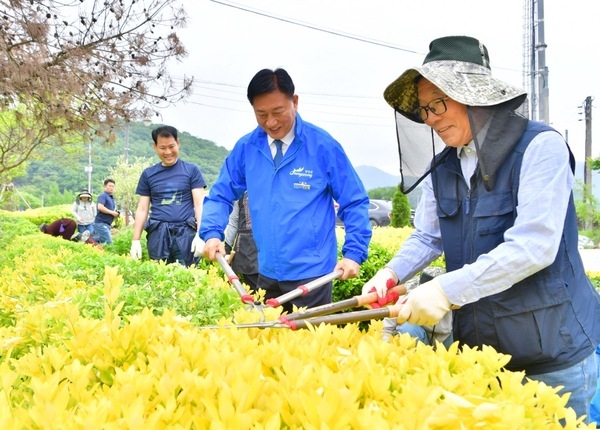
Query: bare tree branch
(79,67)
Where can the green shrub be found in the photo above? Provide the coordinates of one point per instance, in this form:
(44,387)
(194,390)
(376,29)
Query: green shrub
(378,257)
(400,210)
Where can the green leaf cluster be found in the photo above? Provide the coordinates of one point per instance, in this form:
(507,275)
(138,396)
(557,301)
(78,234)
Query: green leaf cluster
(146,284)
(382,193)
(378,257)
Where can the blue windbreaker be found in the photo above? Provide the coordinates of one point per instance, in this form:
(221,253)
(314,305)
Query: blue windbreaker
(292,207)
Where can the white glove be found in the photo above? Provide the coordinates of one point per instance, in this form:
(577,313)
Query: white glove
(197,246)
(136,250)
(425,305)
(383,280)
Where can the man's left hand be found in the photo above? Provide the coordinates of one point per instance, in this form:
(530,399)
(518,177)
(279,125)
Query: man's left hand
(425,305)
(197,246)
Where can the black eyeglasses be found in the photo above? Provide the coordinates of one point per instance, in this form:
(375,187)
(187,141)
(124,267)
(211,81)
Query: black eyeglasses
(435,106)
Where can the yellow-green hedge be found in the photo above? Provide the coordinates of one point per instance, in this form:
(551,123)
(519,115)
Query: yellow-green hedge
(61,367)
(163,372)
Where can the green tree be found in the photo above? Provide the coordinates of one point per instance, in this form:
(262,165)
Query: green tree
(382,193)
(400,210)
(586,207)
(126,175)
(55,197)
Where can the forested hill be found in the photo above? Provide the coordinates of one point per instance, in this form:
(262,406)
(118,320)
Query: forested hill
(64,171)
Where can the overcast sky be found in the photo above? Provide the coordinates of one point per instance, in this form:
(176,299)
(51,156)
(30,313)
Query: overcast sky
(340,80)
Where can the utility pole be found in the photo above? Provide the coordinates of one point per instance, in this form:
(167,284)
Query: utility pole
(88,169)
(542,69)
(535,71)
(126,206)
(127,142)
(587,169)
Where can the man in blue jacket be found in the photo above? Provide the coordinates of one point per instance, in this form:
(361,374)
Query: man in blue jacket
(293,171)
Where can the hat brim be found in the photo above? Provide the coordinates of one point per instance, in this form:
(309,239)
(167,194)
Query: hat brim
(466,83)
(85,195)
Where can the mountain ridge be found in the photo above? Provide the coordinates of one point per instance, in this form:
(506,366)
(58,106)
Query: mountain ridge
(373,177)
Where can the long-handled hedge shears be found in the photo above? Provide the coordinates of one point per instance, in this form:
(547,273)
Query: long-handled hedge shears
(237,285)
(276,301)
(324,314)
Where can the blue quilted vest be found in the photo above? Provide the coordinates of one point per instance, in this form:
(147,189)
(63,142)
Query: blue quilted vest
(548,321)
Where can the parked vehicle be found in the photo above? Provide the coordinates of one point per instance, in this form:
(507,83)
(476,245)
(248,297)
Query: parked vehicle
(380,213)
(585,242)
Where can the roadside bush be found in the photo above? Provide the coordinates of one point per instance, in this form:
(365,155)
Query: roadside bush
(44,215)
(92,339)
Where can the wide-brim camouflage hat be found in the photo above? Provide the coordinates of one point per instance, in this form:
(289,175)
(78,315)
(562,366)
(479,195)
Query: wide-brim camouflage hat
(460,67)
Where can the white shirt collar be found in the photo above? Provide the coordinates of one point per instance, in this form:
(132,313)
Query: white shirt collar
(287,139)
(467,149)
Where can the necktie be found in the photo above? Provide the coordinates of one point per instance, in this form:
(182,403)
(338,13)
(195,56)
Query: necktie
(279,153)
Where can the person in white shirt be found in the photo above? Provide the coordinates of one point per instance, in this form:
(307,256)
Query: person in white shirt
(497,202)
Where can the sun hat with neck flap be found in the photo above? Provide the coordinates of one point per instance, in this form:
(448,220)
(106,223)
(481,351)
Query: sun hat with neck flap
(84,193)
(460,67)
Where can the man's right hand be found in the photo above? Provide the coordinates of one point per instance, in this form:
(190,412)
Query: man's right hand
(211,247)
(136,250)
(383,280)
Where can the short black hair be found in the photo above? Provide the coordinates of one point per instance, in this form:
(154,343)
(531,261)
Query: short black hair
(164,131)
(107,181)
(267,81)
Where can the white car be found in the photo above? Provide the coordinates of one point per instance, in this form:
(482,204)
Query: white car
(585,242)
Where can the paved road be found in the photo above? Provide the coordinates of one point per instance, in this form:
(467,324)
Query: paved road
(591,259)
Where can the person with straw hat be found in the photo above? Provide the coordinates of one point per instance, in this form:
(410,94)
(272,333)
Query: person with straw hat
(497,202)
(84,211)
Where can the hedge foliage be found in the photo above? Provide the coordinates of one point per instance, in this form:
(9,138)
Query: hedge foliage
(91,340)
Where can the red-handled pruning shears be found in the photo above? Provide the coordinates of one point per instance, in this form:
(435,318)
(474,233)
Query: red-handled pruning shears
(277,301)
(235,281)
(354,302)
(319,314)
(304,289)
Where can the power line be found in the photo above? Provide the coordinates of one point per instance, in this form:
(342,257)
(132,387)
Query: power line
(204,89)
(306,109)
(203,84)
(314,27)
(334,32)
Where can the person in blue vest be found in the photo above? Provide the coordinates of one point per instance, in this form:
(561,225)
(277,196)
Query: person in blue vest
(240,245)
(293,171)
(497,202)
